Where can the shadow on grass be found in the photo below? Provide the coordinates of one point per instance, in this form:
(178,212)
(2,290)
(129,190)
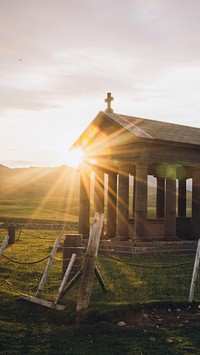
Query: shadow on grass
(26,328)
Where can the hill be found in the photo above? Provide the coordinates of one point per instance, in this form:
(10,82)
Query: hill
(38,182)
(44,193)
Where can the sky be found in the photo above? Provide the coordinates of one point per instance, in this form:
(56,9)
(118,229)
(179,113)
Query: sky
(59,58)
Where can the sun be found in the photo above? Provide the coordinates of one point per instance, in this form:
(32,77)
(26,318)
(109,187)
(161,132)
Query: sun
(74,157)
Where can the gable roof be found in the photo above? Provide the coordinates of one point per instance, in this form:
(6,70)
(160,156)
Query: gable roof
(157,130)
(146,129)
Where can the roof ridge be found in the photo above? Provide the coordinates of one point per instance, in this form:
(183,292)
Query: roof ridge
(129,125)
(159,121)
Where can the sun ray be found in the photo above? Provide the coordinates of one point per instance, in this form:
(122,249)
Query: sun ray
(74,157)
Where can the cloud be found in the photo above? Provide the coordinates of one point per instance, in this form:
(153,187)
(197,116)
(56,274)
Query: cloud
(77,48)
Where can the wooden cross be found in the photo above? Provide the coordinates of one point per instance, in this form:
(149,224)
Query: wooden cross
(108,100)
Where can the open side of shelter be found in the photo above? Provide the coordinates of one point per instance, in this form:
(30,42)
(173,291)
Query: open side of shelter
(122,151)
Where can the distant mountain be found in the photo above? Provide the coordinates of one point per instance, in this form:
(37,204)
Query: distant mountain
(38,182)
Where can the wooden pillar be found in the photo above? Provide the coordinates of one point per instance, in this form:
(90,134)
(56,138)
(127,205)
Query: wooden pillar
(112,205)
(84,202)
(134,186)
(196,204)
(160,198)
(85,288)
(140,228)
(99,191)
(182,198)
(123,205)
(170,208)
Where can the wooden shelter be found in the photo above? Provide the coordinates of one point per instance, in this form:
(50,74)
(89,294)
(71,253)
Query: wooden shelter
(120,152)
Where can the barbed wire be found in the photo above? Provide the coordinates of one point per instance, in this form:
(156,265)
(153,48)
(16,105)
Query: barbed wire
(143,266)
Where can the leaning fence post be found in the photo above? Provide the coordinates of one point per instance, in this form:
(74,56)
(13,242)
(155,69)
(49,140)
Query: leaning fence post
(11,233)
(72,245)
(90,261)
(48,266)
(66,276)
(4,243)
(195,273)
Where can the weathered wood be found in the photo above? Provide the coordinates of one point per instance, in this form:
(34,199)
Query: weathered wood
(195,273)
(48,267)
(66,276)
(71,283)
(72,244)
(100,279)
(42,302)
(90,262)
(4,243)
(77,277)
(11,233)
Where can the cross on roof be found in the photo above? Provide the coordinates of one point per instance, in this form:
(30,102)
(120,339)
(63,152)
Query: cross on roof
(108,100)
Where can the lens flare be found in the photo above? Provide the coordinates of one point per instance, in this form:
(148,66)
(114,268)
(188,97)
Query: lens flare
(74,157)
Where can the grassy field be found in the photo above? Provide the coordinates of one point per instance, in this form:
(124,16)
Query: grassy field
(148,294)
(39,193)
(54,209)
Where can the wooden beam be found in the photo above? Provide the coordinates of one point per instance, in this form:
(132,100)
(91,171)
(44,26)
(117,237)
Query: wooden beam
(41,302)
(66,276)
(48,267)
(100,279)
(4,243)
(90,262)
(195,273)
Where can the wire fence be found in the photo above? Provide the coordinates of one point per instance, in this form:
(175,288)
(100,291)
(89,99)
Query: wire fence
(148,279)
(37,226)
(129,280)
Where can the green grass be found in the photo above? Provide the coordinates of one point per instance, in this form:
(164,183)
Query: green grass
(42,334)
(26,328)
(54,208)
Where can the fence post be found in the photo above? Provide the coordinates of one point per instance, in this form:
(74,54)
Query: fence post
(66,277)
(48,267)
(195,273)
(90,262)
(72,245)
(4,243)
(11,233)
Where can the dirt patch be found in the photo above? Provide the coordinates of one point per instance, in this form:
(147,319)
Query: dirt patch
(159,316)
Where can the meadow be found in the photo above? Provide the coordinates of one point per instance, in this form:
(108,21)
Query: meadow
(147,295)
(45,194)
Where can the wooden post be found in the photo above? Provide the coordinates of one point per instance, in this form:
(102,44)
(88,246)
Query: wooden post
(4,243)
(11,233)
(72,244)
(100,279)
(195,273)
(66,276)
(71,283)
(90,261)
(48,266)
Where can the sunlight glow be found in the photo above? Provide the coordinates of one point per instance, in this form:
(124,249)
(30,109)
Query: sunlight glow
(74,157)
